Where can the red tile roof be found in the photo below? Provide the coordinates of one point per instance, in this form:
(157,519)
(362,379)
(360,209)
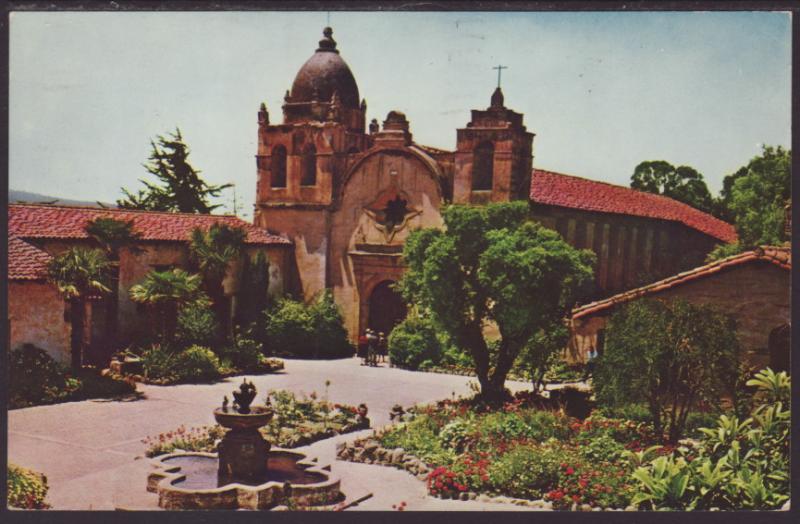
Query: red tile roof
(557,189)
(25,261)
(780,256)
(43,221)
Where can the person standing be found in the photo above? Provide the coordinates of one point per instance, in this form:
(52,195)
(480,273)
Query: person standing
(591,357)
(372,343)
(382,346)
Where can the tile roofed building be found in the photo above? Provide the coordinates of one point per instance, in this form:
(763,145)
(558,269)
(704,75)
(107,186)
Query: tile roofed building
(779,256)
(62,222)
(557,189)
(25,261)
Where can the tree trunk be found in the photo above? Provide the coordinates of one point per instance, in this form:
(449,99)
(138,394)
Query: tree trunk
(112,313)
(76,335)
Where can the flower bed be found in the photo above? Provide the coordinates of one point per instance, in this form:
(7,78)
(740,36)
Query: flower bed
(524,454)
(26,489)
(296,422)
(520,454)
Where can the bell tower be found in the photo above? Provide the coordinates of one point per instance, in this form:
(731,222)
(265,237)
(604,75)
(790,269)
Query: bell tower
(494,155)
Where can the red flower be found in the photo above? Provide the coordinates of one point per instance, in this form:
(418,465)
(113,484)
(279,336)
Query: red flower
(576,498)
(570,471)
(583,483)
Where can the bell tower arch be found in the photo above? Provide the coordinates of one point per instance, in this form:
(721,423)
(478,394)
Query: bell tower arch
(494,155)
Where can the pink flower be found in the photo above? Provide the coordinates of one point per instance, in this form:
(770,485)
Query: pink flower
(570,471)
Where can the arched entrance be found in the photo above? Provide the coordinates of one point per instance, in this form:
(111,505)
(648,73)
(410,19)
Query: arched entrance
(779,348)
(386,308)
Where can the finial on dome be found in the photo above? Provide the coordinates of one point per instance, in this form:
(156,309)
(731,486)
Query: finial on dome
(497,98)
(327,43)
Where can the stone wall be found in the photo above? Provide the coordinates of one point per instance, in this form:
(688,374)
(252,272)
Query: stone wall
(132,317)
(36,316)
(756,294)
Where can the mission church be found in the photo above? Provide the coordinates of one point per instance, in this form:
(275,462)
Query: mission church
(347,194)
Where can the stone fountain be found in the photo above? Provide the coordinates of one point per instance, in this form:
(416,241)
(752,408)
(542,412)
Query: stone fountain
(246,472)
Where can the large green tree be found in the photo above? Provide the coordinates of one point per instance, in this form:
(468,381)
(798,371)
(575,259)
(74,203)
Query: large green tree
(755,197)
(212,251)
(179,187)
(493,265)
(682,183)
(80,274)
(113,236)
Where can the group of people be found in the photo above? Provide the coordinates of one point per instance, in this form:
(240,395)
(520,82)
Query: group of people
(372,347)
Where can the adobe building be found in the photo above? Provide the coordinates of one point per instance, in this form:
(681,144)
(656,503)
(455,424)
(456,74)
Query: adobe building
(347,194)
(753,287)
(39,315)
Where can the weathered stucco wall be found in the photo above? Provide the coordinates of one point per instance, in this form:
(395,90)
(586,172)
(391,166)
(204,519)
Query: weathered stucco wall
(36,315)
(631,251)
(362,253)
(757,295)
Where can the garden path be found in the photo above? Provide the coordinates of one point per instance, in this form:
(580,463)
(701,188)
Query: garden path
(92,454)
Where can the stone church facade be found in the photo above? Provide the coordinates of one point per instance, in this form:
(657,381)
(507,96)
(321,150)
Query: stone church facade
(348,193)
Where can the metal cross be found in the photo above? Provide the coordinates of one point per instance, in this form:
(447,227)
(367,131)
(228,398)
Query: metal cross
(499,71)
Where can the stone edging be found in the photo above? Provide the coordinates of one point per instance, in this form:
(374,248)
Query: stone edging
(163,476)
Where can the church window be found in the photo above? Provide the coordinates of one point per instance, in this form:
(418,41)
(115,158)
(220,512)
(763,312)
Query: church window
(278,167)
(482,167)
(308,174)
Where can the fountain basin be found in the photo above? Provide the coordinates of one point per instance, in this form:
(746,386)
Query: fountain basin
(258,416)
(189,480)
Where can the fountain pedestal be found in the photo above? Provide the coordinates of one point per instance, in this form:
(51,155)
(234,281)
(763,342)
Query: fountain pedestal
(243,451)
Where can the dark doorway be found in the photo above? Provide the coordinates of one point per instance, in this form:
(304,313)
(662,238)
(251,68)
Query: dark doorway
(386,308)
(779,348)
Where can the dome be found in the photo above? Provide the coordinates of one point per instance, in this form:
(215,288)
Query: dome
(323,74)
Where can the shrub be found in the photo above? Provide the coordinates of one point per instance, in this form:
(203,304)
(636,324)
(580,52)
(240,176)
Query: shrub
(524,471)
(578,483)
(315,330)
(196,325)
(415,341)
(420,438)
(158,363)
(244,354)
(35,378)
(455,435)
(675,354)
(196,363)
(26,489)
(602,449)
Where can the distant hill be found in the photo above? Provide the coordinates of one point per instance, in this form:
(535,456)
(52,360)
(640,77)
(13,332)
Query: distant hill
(15,197)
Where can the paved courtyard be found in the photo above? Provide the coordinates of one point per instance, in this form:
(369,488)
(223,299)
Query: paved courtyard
(93,456)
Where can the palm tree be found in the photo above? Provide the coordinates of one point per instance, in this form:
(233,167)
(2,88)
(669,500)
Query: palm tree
(166,292)
(212,251)
(113,236)
(80,274)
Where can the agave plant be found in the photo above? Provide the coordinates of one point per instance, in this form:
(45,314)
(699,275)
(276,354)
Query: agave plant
(166,292)
(79,274)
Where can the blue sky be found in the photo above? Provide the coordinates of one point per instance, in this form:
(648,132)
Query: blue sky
(602,91)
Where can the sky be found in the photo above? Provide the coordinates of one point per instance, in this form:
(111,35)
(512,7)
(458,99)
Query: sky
(601,91)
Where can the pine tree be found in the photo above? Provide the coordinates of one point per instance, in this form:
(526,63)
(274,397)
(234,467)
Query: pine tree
(180,189)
